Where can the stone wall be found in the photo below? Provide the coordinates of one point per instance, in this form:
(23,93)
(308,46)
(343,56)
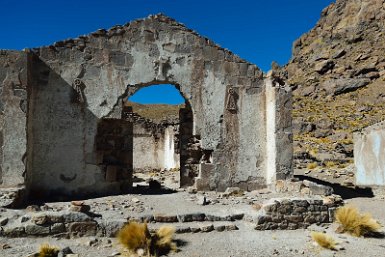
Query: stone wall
(295,213)
(155,145)
(77,84)
(369,155)
(13,117)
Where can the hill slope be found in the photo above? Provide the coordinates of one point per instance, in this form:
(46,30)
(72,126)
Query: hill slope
(337,72)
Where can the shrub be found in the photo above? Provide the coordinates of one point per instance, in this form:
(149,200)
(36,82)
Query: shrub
(324,240)
(47,250)
(312,165)
(135,236)
(164,240)
(354,223)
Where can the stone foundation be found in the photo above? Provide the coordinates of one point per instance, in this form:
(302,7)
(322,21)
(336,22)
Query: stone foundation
(295,213)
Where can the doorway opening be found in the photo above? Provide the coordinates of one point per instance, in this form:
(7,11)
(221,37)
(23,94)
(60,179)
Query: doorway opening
(165,154)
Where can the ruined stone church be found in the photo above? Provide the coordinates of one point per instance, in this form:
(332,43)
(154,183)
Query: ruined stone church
(65,128)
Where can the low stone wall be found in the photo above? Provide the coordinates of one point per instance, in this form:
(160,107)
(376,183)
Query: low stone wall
(296,213)
(77,220)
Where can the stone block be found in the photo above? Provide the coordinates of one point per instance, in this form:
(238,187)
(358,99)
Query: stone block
(58,228)
(83,228)
(111,173)
(165,218)
(36,230)
(191,217)
(14,231)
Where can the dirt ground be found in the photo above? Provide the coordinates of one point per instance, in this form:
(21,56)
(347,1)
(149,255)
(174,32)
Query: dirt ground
(243,242)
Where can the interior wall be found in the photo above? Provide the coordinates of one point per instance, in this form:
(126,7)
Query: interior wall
(155,151)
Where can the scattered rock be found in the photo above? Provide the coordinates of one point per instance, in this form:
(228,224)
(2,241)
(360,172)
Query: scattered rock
(202,200)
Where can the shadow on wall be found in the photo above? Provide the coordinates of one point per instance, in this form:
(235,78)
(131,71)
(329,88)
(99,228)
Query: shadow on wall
(71,152)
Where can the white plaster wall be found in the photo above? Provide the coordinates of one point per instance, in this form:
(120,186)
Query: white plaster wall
(271,149)
(150,152)
(369,156)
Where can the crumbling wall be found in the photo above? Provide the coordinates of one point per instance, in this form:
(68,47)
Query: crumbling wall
(155,145)
(78,83)
(13,117)
(295,213)
(369,155)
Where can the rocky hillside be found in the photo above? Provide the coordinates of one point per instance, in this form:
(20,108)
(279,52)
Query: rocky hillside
(157,112)
(338,75)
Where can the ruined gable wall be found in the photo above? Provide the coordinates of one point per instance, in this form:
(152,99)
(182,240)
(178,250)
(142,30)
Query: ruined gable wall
(13,107)
(153,50)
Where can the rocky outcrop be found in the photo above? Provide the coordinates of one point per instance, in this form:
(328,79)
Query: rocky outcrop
(337,72)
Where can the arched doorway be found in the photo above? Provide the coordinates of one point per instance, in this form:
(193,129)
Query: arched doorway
(156,142)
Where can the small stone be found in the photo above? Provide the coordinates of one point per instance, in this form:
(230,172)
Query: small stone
(3,221)
(182,230)
(207,228)
(77,203)
(5,246)
(80,208)
(36,230)
(195,230)
(165,218)
(40,220)
(57,228)
(135,200)
(32,208)
(24,219)
(114,254)
(220,228)
(65,252)
(201,200)
(92,242)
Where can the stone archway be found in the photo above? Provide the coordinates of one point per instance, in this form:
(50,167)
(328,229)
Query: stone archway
(76,83)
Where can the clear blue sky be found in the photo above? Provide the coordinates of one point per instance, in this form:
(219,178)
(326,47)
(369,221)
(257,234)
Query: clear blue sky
(260,31)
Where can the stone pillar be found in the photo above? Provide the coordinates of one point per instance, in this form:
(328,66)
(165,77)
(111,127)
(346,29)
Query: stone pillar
(190,151)
(279,137)
(13,117)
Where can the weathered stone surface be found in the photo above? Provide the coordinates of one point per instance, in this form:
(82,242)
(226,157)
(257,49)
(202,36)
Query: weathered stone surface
(111,227)
(57,228)
(165,218)
(37,230)
(89,76)
(294,213)
(83,228)
(14,231)
(336,69)
(191,217)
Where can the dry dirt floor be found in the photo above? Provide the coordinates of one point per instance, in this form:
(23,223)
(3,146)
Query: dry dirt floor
(244,242)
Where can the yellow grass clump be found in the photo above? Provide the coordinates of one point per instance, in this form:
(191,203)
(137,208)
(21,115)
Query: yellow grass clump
(164,240)
(47,250)
(136,237)
(324,240)
(354,223)
(312,165)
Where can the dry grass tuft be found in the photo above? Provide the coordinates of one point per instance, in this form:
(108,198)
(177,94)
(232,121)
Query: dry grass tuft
(47,250)
(136,237)
(354,223)
(312,165)
(165,236)
(324,240)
